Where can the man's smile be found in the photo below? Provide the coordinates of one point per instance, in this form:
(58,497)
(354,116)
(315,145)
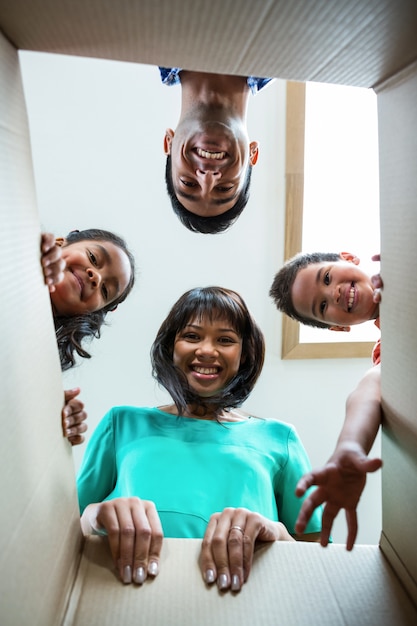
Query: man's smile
(208,154)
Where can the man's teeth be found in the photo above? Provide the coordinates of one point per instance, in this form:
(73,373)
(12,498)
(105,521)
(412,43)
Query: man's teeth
(351,297)
(205,370)
(210,155)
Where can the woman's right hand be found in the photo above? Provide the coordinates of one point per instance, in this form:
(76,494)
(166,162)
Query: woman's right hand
(135,535)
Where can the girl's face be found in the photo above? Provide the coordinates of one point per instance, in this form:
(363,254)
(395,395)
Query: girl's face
(96,274)
(209,353)
(336,293)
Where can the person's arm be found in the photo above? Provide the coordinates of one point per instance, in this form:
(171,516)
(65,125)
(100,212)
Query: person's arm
(229,543)
(73,417)
(132,525)
(342,480)
(52,264)
(134,533)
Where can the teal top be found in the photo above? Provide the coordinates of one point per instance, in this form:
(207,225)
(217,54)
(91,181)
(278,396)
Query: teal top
(192,468)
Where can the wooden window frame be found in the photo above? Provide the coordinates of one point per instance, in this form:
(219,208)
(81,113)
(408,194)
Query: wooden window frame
(292,347)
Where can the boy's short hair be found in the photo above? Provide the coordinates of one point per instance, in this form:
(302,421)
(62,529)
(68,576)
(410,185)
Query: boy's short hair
(283,282)
(211,224)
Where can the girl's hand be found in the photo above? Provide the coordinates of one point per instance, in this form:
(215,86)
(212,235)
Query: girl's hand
(73,417)
(229,542)
(135,535)
(52,264)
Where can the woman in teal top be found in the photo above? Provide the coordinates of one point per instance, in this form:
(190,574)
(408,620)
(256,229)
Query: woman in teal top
(198,467)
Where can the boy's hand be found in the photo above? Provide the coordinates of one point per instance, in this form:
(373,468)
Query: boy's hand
(73,417)
(52,264)
(340,485)
(377,281)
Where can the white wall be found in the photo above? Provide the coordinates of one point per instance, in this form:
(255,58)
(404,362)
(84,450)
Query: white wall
(97,130)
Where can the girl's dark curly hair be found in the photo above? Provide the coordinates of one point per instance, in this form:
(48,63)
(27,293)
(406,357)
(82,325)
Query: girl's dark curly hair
(72,331)
(213,303)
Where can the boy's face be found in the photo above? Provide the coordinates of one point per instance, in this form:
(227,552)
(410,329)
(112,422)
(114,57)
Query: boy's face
(337,293)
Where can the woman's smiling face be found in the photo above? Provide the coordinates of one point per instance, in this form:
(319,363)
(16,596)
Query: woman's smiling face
(209,353)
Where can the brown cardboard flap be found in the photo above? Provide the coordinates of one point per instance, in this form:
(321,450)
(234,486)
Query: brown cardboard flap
(350,42)
(290,583)
(40,530)
(398,184)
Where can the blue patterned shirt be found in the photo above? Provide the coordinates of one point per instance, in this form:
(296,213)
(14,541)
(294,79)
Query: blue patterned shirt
(171,76)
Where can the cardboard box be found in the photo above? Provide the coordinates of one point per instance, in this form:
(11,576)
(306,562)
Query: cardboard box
(49,576)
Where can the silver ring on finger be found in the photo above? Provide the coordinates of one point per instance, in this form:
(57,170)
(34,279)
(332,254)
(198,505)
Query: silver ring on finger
(237,528)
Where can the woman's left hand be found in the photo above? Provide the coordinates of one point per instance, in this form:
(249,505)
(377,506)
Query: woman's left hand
(229,543)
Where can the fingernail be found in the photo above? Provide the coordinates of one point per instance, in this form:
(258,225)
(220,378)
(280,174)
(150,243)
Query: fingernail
(140,576)
(222,581)
(153,568)
(127,574)
(235,583)
(209,576)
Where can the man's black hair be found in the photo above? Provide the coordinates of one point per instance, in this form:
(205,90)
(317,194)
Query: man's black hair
(212,224)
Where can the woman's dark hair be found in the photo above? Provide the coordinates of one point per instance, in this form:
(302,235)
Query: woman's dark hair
(283,282)
(71,331)
(213,303)
(212,224)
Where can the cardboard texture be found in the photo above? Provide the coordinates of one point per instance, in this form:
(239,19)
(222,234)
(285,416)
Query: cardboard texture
(39,524)
(398,157)
(353,42)
(339,588)
(48,576)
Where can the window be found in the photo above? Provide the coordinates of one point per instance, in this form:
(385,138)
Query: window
(332,201)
